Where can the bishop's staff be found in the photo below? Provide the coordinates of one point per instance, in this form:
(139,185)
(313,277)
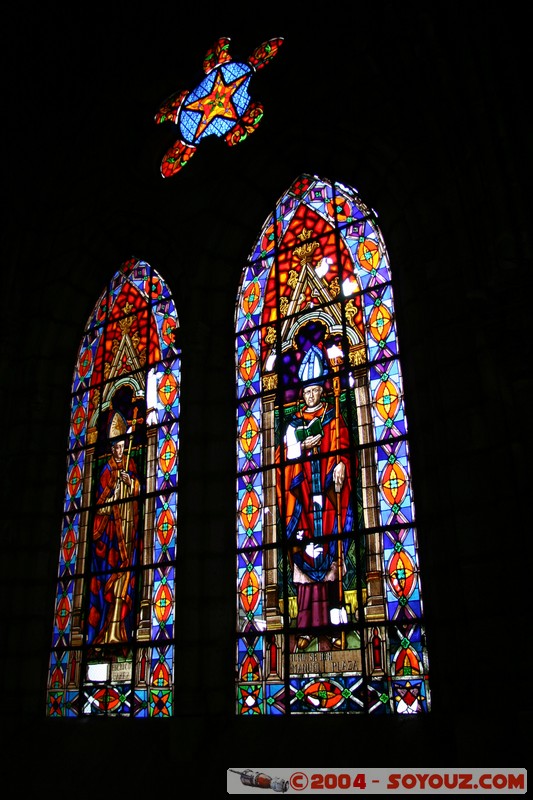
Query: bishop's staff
(123,548)
(133,422)
(336,359)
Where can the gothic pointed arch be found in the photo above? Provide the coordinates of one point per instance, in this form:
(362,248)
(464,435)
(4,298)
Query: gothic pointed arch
(113,632)
(330,616)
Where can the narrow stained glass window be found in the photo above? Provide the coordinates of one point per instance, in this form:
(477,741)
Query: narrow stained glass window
(330,615)
(113,631)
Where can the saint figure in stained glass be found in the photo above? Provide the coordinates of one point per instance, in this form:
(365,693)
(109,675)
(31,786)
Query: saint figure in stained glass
(116,542)
(317,498)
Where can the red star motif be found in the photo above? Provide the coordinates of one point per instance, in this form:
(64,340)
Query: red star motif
(217,103)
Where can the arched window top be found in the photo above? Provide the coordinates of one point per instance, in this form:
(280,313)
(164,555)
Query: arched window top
(113,636)
(132,292)
(330,610)
(321,207)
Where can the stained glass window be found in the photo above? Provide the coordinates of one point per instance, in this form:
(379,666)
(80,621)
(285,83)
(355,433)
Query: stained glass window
(219,106)
(330,616)
(113,632)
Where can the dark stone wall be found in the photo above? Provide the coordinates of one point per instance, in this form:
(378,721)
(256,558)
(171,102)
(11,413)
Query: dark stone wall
(422,111)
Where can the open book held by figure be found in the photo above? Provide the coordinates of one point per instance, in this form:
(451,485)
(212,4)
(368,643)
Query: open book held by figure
(314,428)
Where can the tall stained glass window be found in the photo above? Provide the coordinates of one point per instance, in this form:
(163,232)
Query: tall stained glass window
(113,632)
(330,616)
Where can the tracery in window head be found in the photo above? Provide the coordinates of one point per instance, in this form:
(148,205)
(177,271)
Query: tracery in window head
(113,633)
(220,105)
(330,616)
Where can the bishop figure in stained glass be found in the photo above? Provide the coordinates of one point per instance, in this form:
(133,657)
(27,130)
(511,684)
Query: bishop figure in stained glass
(116,542)
(317,498)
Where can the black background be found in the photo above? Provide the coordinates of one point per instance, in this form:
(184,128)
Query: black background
(425,112)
